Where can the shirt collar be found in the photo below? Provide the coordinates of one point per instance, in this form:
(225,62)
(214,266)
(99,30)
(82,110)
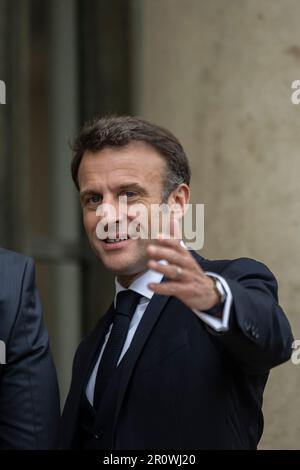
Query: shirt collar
(140,284)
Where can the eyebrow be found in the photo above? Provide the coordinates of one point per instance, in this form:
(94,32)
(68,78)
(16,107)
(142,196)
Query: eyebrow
(87,193)
(132,186)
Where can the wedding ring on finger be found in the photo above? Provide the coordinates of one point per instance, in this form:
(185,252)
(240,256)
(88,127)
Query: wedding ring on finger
(178,272)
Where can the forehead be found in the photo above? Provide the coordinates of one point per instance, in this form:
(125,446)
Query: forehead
(138,161)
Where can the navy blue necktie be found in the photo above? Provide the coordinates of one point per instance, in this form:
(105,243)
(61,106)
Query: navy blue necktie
(126,304)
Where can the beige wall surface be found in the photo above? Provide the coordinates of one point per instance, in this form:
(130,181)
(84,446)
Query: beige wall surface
(219,75)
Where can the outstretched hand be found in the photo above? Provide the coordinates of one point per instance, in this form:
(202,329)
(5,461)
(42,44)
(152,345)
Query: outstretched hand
(187,281)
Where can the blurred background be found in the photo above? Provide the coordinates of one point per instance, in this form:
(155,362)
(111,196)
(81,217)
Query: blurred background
(218,74)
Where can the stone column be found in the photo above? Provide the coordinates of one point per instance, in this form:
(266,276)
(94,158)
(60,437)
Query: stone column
(13,124)
(64,201)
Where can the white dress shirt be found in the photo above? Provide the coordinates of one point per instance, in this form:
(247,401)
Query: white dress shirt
(140,285)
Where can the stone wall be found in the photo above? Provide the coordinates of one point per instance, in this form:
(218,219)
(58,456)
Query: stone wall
(219,75)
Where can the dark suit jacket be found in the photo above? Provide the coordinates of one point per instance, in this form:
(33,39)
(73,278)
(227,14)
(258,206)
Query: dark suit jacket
(184,386)
(29,402)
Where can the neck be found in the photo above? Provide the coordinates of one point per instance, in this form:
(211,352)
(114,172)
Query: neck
(125,281)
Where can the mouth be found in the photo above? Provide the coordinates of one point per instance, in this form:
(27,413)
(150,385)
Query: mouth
(115,243)
(120,238)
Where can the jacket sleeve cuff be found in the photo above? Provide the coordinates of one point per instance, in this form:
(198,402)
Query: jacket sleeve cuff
(218,324)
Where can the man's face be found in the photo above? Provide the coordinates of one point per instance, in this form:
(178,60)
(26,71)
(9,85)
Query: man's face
(136,171)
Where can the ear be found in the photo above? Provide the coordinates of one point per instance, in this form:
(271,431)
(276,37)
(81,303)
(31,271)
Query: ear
(179,198)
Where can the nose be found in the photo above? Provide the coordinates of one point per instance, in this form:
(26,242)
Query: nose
(114,209)
(112,215)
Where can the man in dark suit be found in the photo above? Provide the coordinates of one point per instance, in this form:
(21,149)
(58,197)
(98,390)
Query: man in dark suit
(181,359)
(29,401)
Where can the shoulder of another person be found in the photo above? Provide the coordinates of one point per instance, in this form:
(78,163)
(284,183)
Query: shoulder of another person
(13,261)
(13,269)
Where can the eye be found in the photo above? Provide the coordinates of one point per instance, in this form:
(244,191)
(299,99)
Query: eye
(129,194)
(94,198)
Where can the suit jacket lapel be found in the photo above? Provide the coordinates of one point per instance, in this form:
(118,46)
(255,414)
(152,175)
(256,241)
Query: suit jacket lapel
(144,329)
(82,372)
(208,265)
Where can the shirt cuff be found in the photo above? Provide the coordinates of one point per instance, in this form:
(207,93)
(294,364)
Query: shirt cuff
(218,324)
